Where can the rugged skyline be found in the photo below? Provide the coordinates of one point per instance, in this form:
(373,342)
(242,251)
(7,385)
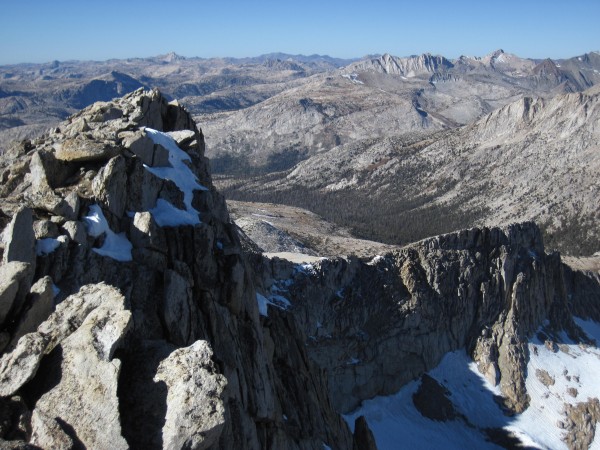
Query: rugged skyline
(41,32)
(288,119)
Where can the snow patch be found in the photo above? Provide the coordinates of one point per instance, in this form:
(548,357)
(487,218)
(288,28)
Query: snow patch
(275,300)
(306,268)
(55,290)
(591,328)
(376,260)
(572,367)
(352,77)
(167,215)
(115,246)
(394,419)
(262,304)
(179,173)
(48,245)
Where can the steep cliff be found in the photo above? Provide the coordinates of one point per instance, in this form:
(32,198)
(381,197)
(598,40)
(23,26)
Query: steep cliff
(377,325)
(409,67)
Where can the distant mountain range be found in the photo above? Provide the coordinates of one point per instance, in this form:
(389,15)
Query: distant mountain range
(408,133)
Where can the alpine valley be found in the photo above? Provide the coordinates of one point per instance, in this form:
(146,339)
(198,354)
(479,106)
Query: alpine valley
(408,256)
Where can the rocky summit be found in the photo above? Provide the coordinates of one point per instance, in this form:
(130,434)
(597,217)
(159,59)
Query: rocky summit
(135,314)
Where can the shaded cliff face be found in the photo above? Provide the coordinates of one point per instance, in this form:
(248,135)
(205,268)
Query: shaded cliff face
(128,315)
(379,324)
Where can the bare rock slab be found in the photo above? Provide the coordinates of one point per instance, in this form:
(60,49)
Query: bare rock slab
(195,409)
(14,284)
(19,238)
(89,375)
(81,150)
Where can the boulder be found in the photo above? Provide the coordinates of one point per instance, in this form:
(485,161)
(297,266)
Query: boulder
(145,233)
(21,365)
(71,205)
(143,187)
(195,408)
(186,139)
(39,180)
(151,109)
(143,147)
(110,185)
(41,305)
(76,231)
(81,149)
(45,229)
(15,281)
(19,238)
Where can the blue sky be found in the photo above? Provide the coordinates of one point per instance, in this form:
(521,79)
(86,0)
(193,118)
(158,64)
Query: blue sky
(41,31)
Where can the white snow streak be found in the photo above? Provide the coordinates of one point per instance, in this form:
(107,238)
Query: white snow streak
(48,245)
(179,173)
(115,246)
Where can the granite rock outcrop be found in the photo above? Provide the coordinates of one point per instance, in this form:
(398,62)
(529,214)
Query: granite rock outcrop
(128,314)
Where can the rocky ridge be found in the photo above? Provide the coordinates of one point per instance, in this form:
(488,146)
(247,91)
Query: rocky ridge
(129,319)
(406,67)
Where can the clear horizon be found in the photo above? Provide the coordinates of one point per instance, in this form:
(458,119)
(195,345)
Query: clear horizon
(40,32)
